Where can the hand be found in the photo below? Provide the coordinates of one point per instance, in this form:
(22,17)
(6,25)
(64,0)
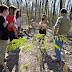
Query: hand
(6,22)
(34,23)
(16,34)
(10,25)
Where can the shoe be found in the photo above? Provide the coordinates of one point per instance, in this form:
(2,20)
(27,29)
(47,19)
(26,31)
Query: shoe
(12,53)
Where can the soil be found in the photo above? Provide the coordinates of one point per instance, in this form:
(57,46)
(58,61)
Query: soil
(15,62)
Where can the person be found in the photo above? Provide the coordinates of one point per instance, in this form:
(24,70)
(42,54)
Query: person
(3,34)
(61,29)
(43,25)
(11,20)
(18,20)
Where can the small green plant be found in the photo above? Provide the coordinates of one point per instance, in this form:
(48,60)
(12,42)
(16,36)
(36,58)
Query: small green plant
(11,46)
(25,66)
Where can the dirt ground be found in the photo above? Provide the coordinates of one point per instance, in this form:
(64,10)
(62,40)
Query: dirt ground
(15,62)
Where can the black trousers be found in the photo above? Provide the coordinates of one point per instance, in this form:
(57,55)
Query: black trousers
(11,35)
(42,32)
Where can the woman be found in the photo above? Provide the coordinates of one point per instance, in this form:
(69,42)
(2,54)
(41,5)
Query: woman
(11,20)
(18,20)
(43,25)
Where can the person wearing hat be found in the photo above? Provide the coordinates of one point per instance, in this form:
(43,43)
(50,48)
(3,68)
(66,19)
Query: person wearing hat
(43,25)
(61,29)
(11,20)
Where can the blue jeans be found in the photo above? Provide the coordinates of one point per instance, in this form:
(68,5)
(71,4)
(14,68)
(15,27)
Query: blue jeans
(57,51)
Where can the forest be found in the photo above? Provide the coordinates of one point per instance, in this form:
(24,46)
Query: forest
(30,58)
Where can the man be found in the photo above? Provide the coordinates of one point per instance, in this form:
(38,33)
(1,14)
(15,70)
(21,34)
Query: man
(61,29)
(3,35)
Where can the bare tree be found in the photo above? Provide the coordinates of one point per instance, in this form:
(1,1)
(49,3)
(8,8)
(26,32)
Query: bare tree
(40,10)
(54,8)
(36,10)
(53,11)
(46,6)
(68,4)
(27,13)
(8,2)
(32,11)
(0,2)
(71,13)
(17,3)
(60,4)
(42,6)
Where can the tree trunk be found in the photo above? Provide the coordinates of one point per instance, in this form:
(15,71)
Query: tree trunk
(46,6)
(71,14)
(27,13)
(17,3)
(36,10)
(0,2)
(68,4)
(54,8)
(40,10)
(8,3)
(42,6)
(60,4)
(32,11)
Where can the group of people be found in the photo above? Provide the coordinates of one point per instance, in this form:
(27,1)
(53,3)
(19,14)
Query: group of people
(10,23)
(61,28)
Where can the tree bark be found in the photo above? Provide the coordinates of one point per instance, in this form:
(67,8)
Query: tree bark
(54,8)
(60,4)
(8,3)
(46,6)
(0,2)
(40,10)
(17,3)
(32,11)
(42,6)
(27,13)
(36,10)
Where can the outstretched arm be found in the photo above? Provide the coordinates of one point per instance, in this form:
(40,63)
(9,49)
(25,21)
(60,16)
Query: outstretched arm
(41,25)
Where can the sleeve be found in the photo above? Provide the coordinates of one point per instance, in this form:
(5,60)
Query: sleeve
(17,21)
(56,27)
(9,19)
(58,22)
(2,20)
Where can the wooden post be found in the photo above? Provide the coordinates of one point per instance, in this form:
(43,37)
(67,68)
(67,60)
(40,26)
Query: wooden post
(65,69)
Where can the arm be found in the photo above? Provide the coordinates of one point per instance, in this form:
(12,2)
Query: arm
(40,25)
(11,25)
(56,27)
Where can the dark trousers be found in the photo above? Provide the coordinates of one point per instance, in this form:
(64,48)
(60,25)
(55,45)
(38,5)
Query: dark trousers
(11,35)
(42,32)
